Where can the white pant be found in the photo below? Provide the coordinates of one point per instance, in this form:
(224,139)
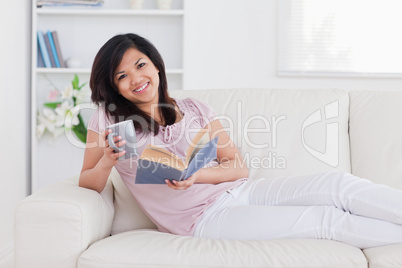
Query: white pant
(331,205)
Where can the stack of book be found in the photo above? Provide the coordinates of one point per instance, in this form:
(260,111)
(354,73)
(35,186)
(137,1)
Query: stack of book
(49,52)
(40,3)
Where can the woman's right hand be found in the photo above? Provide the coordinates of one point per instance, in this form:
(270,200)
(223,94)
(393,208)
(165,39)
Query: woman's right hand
(110,158)
(98,160)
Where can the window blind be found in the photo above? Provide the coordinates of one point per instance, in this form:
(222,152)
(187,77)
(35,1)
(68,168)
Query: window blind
(340,37)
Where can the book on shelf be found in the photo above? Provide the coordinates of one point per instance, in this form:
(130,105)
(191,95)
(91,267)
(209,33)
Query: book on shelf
(156,164)
(43,49)
(49,50)
(53,49)
(40,62)
(58,49)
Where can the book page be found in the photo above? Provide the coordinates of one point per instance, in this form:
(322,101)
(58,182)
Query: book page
(198,142)
(203,157)
(159,155)
(195,149)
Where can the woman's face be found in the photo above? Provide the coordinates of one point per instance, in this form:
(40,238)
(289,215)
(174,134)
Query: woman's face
(137,79)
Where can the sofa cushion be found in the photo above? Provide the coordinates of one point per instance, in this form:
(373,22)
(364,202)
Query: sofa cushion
(284,132)
(128,214)
(384,257)
(56,224)
(147,248)
(376,136)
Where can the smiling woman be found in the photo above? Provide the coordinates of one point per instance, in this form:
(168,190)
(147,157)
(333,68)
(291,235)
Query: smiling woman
(128,82)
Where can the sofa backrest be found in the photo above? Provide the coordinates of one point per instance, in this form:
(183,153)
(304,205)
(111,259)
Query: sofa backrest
(278,132)
(376,136)
(284,132)
(127,213)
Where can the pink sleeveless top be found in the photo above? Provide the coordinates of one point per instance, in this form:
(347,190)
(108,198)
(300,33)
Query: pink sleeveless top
(173,211)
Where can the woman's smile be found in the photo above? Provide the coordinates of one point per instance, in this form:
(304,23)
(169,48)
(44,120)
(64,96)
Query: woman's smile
(142,89)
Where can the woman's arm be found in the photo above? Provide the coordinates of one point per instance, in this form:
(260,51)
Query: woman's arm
(231,165)
(99,160)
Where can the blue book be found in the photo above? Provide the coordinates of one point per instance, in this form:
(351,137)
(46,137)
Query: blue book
(43,50)
(58,49)
(40,63)
(156,164)
(53,47)
(49,50)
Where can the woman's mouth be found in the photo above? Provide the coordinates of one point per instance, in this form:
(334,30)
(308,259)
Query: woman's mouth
(142,88)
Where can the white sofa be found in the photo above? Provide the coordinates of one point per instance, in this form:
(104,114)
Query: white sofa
(297,132)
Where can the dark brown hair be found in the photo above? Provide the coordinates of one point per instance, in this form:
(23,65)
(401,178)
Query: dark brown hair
(105,92)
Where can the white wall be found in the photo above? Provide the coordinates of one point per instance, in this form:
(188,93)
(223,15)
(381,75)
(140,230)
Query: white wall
(233,44)
(15,17)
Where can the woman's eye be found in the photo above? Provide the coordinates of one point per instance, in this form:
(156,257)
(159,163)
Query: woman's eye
(141,65)
(122,76)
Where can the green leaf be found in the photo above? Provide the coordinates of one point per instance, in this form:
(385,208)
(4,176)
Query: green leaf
(52,105)
(80,130)
(80,135)
(82,86)
(75,81)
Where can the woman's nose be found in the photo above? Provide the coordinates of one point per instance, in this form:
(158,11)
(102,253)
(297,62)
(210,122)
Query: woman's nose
(136,78)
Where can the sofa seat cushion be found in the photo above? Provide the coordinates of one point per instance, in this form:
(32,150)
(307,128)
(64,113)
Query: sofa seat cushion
(385,257)
(150,248)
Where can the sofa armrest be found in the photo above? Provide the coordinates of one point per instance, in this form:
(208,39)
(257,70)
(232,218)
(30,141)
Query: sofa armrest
(55,225)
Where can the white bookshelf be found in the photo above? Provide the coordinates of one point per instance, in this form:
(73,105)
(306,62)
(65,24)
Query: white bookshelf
(81,33)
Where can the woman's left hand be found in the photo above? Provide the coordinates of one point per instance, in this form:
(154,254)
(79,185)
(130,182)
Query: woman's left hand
(181,185)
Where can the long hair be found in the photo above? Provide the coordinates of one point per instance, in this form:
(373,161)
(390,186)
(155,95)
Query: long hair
(105,92)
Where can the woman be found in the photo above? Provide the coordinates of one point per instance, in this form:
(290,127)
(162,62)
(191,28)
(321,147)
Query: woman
(128,80)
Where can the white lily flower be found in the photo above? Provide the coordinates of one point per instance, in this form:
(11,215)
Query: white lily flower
(40,129)
(68,92)
(82,95)
(49,114)
(75,92)
(74,120)
(66,115)
(62,112)
(49,120)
